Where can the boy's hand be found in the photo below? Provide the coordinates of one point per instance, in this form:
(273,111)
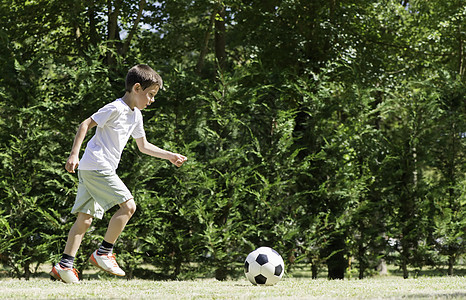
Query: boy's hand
(72,163)
(178,159)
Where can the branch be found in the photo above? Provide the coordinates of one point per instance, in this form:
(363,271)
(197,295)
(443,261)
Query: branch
(461,63)
(142,5)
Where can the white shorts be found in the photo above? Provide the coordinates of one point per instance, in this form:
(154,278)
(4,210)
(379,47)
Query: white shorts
(98,191)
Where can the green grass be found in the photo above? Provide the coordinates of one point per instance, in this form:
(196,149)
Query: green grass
(389,287)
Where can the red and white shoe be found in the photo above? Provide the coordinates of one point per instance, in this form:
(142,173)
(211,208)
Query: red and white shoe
(106,263)
(67,275)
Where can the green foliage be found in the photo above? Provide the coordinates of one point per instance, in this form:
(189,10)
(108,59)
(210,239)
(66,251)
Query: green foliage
(333,133)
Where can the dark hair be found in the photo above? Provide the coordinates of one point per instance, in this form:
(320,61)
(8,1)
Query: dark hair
(144,75)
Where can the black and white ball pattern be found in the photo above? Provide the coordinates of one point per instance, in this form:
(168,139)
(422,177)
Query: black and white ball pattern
(264,266)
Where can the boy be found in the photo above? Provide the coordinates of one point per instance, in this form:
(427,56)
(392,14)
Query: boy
(99,187)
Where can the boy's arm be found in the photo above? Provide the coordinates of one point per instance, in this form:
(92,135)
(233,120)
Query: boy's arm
(73,159)
(152,150)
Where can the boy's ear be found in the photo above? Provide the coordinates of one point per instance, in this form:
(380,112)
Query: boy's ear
(137,87)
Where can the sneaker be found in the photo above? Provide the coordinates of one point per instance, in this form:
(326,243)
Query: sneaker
(67,275)
(106,263)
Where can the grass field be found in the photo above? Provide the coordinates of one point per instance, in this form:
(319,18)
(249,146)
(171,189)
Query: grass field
(390,287)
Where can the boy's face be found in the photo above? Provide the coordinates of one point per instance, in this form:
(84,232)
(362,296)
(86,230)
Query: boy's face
(144,97)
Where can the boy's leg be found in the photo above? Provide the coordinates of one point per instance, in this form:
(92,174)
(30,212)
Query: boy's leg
(119,220)
(102,257)
(76,234)
(64,269)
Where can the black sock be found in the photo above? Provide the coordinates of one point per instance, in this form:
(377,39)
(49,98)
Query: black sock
(105,248)
(66,261)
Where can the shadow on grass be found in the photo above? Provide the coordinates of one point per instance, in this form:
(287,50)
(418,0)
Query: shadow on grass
(434,272)
(437,296)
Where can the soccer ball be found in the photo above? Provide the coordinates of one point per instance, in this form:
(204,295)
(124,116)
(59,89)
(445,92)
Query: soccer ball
(264,266)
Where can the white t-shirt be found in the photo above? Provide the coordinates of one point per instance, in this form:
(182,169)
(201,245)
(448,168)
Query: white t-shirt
(116,122)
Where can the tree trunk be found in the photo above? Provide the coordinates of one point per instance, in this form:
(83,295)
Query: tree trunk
(461,60)
(93,35)
(314,271)
(27,271)
(205,46)
(112,28)
(362,231)
(336,262)
(404,265)
(362,263)
(382,267)
(220,52)
(221,272)
(451,264)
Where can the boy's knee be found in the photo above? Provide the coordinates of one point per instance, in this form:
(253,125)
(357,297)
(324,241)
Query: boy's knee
(87,223)
(130,207)
(84,220)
